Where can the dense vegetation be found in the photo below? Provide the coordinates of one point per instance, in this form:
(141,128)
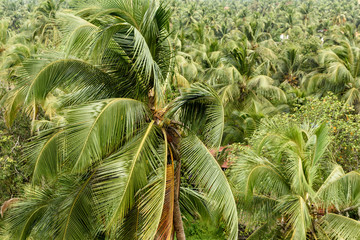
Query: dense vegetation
(113,114)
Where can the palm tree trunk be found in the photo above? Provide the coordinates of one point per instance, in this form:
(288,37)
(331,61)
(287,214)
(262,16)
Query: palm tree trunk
(178,223)
(174,141)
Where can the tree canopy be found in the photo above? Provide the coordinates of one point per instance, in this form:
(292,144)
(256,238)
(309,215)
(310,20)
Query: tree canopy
(152,119)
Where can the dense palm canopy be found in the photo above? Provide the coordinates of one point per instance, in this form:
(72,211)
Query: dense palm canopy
(129,102)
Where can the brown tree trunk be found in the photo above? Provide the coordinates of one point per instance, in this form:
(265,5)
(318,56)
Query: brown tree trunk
(178,223)
(173,137)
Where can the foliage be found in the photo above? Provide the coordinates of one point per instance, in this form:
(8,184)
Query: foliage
(342,121)
(150,88)
(13,173)
(286,186)
(197,229)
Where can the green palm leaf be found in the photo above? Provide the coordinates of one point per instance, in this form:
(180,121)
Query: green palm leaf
(75,209)
(26,213)
(67,72)
(99,128)
(45,154)
(205,172)
(341,227)
(298,212)
(12,102)
(194,204)
(264,86)
(255,173)
(200,108)
(127,172)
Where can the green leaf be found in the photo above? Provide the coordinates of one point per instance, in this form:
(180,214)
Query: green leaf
(95,130)
(64,72)
(205,172)
(341,227)
(127,172)
(45,154)
(200,108)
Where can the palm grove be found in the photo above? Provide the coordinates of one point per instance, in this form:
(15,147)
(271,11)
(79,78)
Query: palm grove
(113,111)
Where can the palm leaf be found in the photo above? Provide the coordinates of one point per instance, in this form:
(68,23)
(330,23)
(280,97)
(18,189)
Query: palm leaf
(156,203)
(75,218)
(97,129)
(351,96)
(298,212)
(259,232)
(45,154)
(342,190)
(264,86)
(25,214)
(194,204)
(126,172)
(12,102)
(205,172)
(67,72)
(325,191)
(253,173)
(200,108)
(341,227)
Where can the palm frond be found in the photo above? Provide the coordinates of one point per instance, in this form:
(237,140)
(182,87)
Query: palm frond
(165,227)
(205,172)
(264,86)
(341,227)
(126,172)
(298,212)
(70,72)
(45,154)
(335,174)
(26,213)
(12,102)
(200,108)
(351,96)
(194,204)
(341,190)
(321,140)
(75,214)
(156,204)
(252,173)
(259,232)
(95,130)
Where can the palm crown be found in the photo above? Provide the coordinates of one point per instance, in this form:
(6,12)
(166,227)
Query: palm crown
(287,180)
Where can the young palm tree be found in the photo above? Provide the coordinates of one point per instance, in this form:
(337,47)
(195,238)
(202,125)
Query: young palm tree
(287,183)
(111,168)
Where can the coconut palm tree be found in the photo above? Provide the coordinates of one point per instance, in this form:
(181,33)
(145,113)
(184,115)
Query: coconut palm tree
(340,66)
(248,77)
(305,10)
(47,31)
(240,125)
(112,166)
(286,183)
(291,66)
